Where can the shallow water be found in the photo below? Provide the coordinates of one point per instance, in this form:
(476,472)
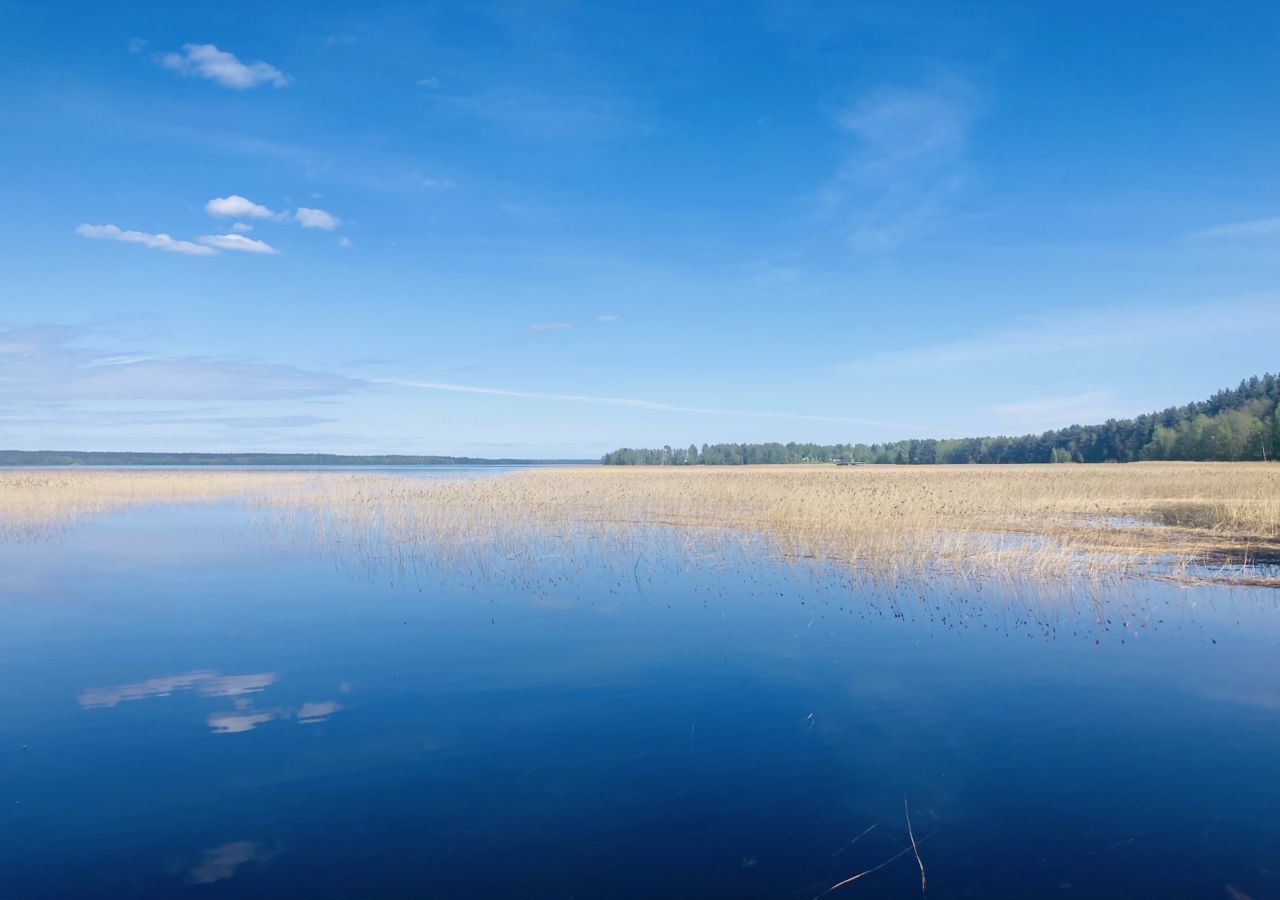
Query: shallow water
(191,706)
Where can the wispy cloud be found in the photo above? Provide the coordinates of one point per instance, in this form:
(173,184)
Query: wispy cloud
(549,326)
(907,166)
(238,243)
(47,363)
(530,113)
(1257,228)
(1057,411)
(151,241)
(316,218)
(237,207)
(208,62)
(61,414)
(628,402)
(1075,332)
(608,317)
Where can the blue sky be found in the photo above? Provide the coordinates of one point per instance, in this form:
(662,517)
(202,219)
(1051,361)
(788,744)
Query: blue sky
(554,229)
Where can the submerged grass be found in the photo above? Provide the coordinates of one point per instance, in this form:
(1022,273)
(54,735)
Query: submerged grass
(1187,521)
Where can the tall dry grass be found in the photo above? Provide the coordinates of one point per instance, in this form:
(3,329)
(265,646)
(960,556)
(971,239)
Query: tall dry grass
(1210,521)
(1189,521)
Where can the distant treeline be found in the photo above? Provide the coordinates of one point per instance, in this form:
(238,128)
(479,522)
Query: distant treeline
(1234,424)
(107,458)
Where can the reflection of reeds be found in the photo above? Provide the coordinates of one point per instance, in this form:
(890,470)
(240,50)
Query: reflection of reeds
(1182,520)
(36,501)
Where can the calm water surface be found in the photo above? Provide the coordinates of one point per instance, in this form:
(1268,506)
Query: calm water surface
(191,708)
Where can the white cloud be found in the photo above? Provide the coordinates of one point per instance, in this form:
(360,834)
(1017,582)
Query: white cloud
(137,45)
(550,326)
(437,183)
(431,82)
(1253,229)
(238,243)
(344,242)
(610,317)
(208,62)
(242,228)
(316,218)
(151,241)
(237,207)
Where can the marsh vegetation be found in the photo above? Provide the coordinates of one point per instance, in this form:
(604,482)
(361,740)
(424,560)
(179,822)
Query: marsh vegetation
(1187,521)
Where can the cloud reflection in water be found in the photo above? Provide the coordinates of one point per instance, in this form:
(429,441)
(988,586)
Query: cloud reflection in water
(239,722)
(309,713)
(209,683)
(220,863)
(206,682)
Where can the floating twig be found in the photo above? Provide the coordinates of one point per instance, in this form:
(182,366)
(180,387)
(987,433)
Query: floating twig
(923,881)
(854,841)
(851,879)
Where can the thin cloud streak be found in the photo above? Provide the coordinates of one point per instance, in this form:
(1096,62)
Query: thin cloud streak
(1054,406)
(630,403)
(44,363)
(1254,229)
(1041,413)
(1080,333)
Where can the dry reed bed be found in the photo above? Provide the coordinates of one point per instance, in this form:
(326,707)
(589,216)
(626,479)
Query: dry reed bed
(1183,520)
(1190,521)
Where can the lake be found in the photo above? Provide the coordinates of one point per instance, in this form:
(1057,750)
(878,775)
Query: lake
(199,701)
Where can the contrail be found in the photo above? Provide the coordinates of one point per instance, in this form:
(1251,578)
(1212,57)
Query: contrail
(630,402)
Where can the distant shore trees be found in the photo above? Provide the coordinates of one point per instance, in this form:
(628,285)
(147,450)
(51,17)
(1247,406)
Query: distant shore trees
(1237,424)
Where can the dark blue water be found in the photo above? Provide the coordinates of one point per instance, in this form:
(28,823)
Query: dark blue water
(188,708)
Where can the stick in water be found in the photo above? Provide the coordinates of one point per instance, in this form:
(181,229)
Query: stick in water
(853,878)
(854,841)
(923,882)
